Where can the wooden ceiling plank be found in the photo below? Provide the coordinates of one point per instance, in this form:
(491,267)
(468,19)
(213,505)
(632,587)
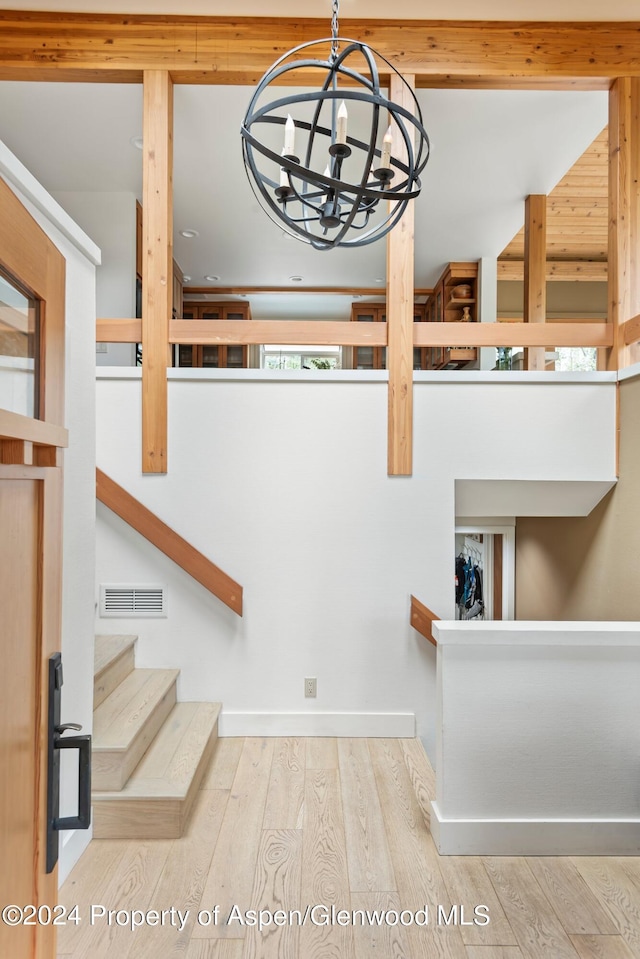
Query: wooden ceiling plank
(577,209)
(557,270)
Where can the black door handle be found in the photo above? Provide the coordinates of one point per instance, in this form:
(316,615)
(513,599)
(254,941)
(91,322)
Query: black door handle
(57,741)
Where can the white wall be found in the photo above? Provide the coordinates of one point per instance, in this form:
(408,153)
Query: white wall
(282,481)
(110,220)
(537,739)
(79,475)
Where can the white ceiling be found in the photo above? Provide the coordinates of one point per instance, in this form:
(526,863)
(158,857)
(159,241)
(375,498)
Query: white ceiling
(489,150)
(377,9)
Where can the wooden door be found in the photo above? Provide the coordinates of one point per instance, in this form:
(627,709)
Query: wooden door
(32,275)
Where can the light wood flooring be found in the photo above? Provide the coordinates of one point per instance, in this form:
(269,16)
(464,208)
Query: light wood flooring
(282,824)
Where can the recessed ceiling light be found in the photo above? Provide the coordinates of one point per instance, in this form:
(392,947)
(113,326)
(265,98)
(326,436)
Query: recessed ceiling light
(211,278)
(185,278)
(379,279)
(189,234)
(136,142)
(296,279)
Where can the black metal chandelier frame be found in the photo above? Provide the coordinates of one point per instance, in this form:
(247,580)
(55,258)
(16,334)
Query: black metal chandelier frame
(329,210)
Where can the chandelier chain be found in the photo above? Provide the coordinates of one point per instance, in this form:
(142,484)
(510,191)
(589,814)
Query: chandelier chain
(335,29)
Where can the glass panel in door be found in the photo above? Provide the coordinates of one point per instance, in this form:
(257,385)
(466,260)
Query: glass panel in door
(186,355)
(363,357)
(19,330)
(211,356)
(235,357)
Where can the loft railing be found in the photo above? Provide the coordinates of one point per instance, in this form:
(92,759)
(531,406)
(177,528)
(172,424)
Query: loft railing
(422,619)
(506,332)
(169,542)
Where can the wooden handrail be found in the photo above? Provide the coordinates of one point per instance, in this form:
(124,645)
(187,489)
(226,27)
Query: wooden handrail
(169,542)
(344,333)
(422,618)
(513,334)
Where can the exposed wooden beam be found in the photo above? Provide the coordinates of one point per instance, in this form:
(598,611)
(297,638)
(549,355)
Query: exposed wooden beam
(400,302)
(558,270)
(238,50)
(157,264)
(624,216)
(535,276)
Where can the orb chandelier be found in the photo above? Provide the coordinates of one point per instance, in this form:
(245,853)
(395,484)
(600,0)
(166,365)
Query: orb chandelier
(317,179)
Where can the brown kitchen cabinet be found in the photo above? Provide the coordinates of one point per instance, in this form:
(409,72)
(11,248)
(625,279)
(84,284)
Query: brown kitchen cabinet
(369,357)
(445,305)
(375,357)
(207,356)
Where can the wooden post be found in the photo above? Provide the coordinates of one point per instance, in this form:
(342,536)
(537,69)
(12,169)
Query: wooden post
(400,295)
(535,271)
(157,264)
(624,215)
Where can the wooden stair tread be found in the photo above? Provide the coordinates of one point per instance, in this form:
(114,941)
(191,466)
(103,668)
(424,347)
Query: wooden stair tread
(120,718)
(170,763)
(107,649)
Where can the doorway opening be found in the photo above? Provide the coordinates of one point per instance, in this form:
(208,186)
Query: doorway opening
(484,572)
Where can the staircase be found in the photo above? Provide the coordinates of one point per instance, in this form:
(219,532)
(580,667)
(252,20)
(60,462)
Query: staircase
(149,752)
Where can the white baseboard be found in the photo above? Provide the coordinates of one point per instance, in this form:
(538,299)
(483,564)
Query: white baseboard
(392,725)
(72,844)
(532,837)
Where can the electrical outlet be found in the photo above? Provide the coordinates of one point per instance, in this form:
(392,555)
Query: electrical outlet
(310,688)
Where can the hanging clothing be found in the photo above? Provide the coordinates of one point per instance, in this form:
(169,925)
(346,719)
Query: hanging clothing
(459,578)
(469,588)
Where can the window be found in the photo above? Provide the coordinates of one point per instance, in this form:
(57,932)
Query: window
(277,357)
(18,350)
(576,359)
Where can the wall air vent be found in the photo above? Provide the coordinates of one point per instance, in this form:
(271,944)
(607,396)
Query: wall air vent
(124,601)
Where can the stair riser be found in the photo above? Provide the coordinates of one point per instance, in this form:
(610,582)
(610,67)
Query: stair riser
(137,819)
(112,767)
(150,818)
(112,676)
(203,765)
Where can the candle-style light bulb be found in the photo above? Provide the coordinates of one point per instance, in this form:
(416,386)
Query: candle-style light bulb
(289,137)
(385,159)
(284,178)
(341,132)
